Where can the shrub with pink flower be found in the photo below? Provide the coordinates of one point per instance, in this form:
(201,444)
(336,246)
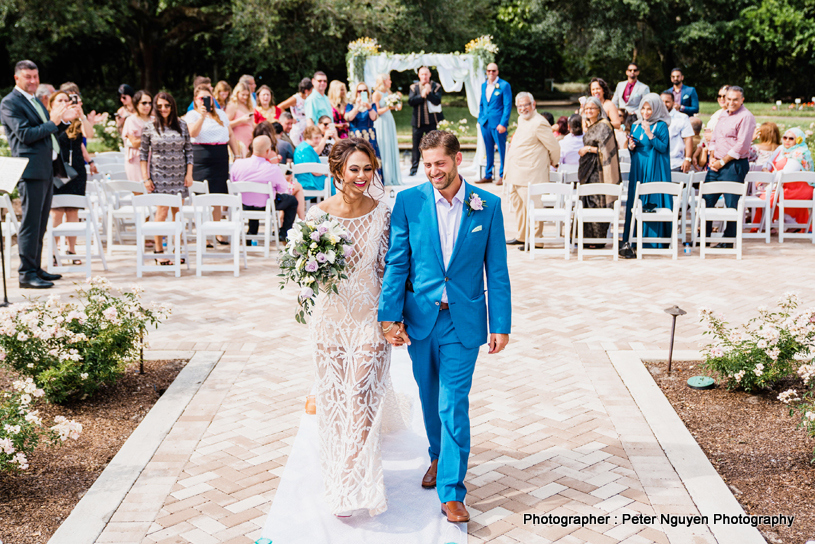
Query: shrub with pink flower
(70,349)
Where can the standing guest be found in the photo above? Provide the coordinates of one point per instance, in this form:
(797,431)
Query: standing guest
(287,123)
(571,144)
(44,92)
(493,120)
(385,127)
(87,122)
(31,133)
(338,97)
(599,89)
(533,150)
(211,134)
(132,131)
(258,169)
(295,189)
(702,152)
(283,147)
(425,99)
(329,136)
(249,82)
(361,116)
(266,109)
(201,80)
(769,140)
(222,93)
(599,163)
(792,156)
(681,133)
(70,144)
(166,144)
(684,97)
(241,115)
(649,144)
(127,109)
(297,104)
(306,152)
(729,149)
(317,103)
(629,93)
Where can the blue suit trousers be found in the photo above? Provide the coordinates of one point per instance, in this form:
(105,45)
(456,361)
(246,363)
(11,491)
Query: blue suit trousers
(443,369)
(491,137)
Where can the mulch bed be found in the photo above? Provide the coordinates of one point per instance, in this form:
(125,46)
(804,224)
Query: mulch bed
(34,503)
(754,444)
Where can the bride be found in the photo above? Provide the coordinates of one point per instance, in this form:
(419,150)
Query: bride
(351,355)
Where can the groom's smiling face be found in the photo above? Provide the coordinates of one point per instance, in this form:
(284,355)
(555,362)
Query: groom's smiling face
(441,169)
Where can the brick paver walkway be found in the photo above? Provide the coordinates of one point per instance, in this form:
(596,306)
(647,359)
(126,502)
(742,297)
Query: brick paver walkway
(555,430)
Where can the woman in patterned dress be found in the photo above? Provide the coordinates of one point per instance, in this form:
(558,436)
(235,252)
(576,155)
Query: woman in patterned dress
(351,355)
(166,156)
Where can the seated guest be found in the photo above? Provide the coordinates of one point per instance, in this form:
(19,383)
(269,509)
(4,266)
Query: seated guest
(258,169)
(561,128)
(572,143)
(329,135)
(549,118)
(284,148)
(295,189)
(769,140)
(533,151)
(287,122)
(792,155)
(307,152)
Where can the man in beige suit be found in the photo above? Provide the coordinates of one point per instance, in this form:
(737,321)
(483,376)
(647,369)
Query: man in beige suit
(532,150)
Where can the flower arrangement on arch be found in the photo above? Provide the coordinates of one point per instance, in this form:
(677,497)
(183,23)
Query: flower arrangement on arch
(483,49)
(459,129)
(315,259)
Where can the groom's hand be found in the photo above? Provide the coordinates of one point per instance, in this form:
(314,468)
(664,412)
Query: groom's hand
(396,336)
(498,342)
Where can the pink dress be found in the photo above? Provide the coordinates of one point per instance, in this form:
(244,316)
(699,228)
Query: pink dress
(134,126)
(243,132)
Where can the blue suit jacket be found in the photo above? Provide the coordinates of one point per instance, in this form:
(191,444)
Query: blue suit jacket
(415,275)
(689,100)
(497,111)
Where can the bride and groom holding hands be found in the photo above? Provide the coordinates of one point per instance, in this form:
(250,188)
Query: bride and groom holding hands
(416,278)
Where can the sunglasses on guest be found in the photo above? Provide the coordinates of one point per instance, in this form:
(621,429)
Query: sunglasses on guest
(163,106)
(788,138)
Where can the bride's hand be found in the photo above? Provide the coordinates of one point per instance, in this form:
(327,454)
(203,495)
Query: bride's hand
(396,336)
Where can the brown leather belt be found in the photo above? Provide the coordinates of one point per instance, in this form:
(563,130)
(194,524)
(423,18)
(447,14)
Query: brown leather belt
(444,306)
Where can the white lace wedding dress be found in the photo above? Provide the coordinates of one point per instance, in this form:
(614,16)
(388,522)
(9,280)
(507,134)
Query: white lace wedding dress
(352,362)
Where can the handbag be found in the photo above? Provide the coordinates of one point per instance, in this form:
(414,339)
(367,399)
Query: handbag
(64,173)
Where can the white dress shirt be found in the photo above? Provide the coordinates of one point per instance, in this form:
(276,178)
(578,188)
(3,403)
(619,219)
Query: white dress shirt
(490,89)
(679,129)
(449,216)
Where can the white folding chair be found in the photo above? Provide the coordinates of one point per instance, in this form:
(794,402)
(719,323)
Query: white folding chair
(598,215)
(111,168)
(316,169)
(686,180)
(109,157)
(268,216)
(783,203)
(10,227)
(659,215)
(758,183)
(324,160)
(171,228)
(556,207)
(232,227)
(706,215)
(197,188)
(120,210)
(284,168)
(87,228)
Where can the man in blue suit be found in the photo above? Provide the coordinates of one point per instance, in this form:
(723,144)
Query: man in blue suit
(445,235)
(685,98)
(493,118)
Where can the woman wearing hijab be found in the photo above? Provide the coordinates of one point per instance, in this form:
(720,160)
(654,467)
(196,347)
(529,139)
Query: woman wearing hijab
(598,163)
(792,155)
(649,143)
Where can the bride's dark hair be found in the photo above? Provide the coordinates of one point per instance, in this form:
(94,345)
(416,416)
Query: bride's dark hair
(339,155)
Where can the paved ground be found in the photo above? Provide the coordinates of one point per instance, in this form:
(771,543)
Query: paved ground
(554,428)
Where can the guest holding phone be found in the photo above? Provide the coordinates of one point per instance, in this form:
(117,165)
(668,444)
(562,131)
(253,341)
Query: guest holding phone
(241,116)
(361,116)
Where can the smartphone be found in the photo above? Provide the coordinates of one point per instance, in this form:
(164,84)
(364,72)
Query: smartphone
(364,96)
(207,102)
(74,99)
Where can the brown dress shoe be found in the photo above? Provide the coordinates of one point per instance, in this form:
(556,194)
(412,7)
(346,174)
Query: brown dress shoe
(500,181)
(311,405)
(429,479)
(485,180)
(455,511)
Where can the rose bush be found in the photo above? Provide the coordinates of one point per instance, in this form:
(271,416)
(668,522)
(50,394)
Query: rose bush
(70,349)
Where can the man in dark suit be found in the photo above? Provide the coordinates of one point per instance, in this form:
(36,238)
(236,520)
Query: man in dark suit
(493,118)
(425,97)
(31,133)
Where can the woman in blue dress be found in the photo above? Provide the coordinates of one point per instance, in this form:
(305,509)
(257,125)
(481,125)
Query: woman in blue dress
(361,114)
(649,144)
(386,129)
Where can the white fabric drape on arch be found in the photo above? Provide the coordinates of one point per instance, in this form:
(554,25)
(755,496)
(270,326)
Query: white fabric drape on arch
(455,72)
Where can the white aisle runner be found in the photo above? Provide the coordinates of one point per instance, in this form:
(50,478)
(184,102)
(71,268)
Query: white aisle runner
(299,514)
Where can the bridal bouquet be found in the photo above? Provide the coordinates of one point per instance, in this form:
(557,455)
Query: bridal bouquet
(315,259)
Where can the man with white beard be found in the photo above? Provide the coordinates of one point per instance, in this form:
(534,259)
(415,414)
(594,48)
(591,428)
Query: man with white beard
(532,151)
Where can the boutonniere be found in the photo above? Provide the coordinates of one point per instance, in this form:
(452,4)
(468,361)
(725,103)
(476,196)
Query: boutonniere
(496,86)
(474,204)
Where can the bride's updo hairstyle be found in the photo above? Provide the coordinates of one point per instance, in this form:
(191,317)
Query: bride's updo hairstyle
(340,154)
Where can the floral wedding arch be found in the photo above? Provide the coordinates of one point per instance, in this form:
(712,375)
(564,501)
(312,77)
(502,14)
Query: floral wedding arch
(456,70)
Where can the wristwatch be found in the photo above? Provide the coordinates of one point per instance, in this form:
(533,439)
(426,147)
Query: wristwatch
(688,159)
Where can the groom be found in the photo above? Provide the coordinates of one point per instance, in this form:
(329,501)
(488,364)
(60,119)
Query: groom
(444,235)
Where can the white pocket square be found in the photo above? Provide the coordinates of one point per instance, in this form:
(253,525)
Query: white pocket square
(478,228)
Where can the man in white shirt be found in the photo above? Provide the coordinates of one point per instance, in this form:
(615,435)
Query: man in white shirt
(681,131)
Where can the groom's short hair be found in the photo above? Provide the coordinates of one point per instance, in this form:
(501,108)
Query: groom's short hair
(443,139)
